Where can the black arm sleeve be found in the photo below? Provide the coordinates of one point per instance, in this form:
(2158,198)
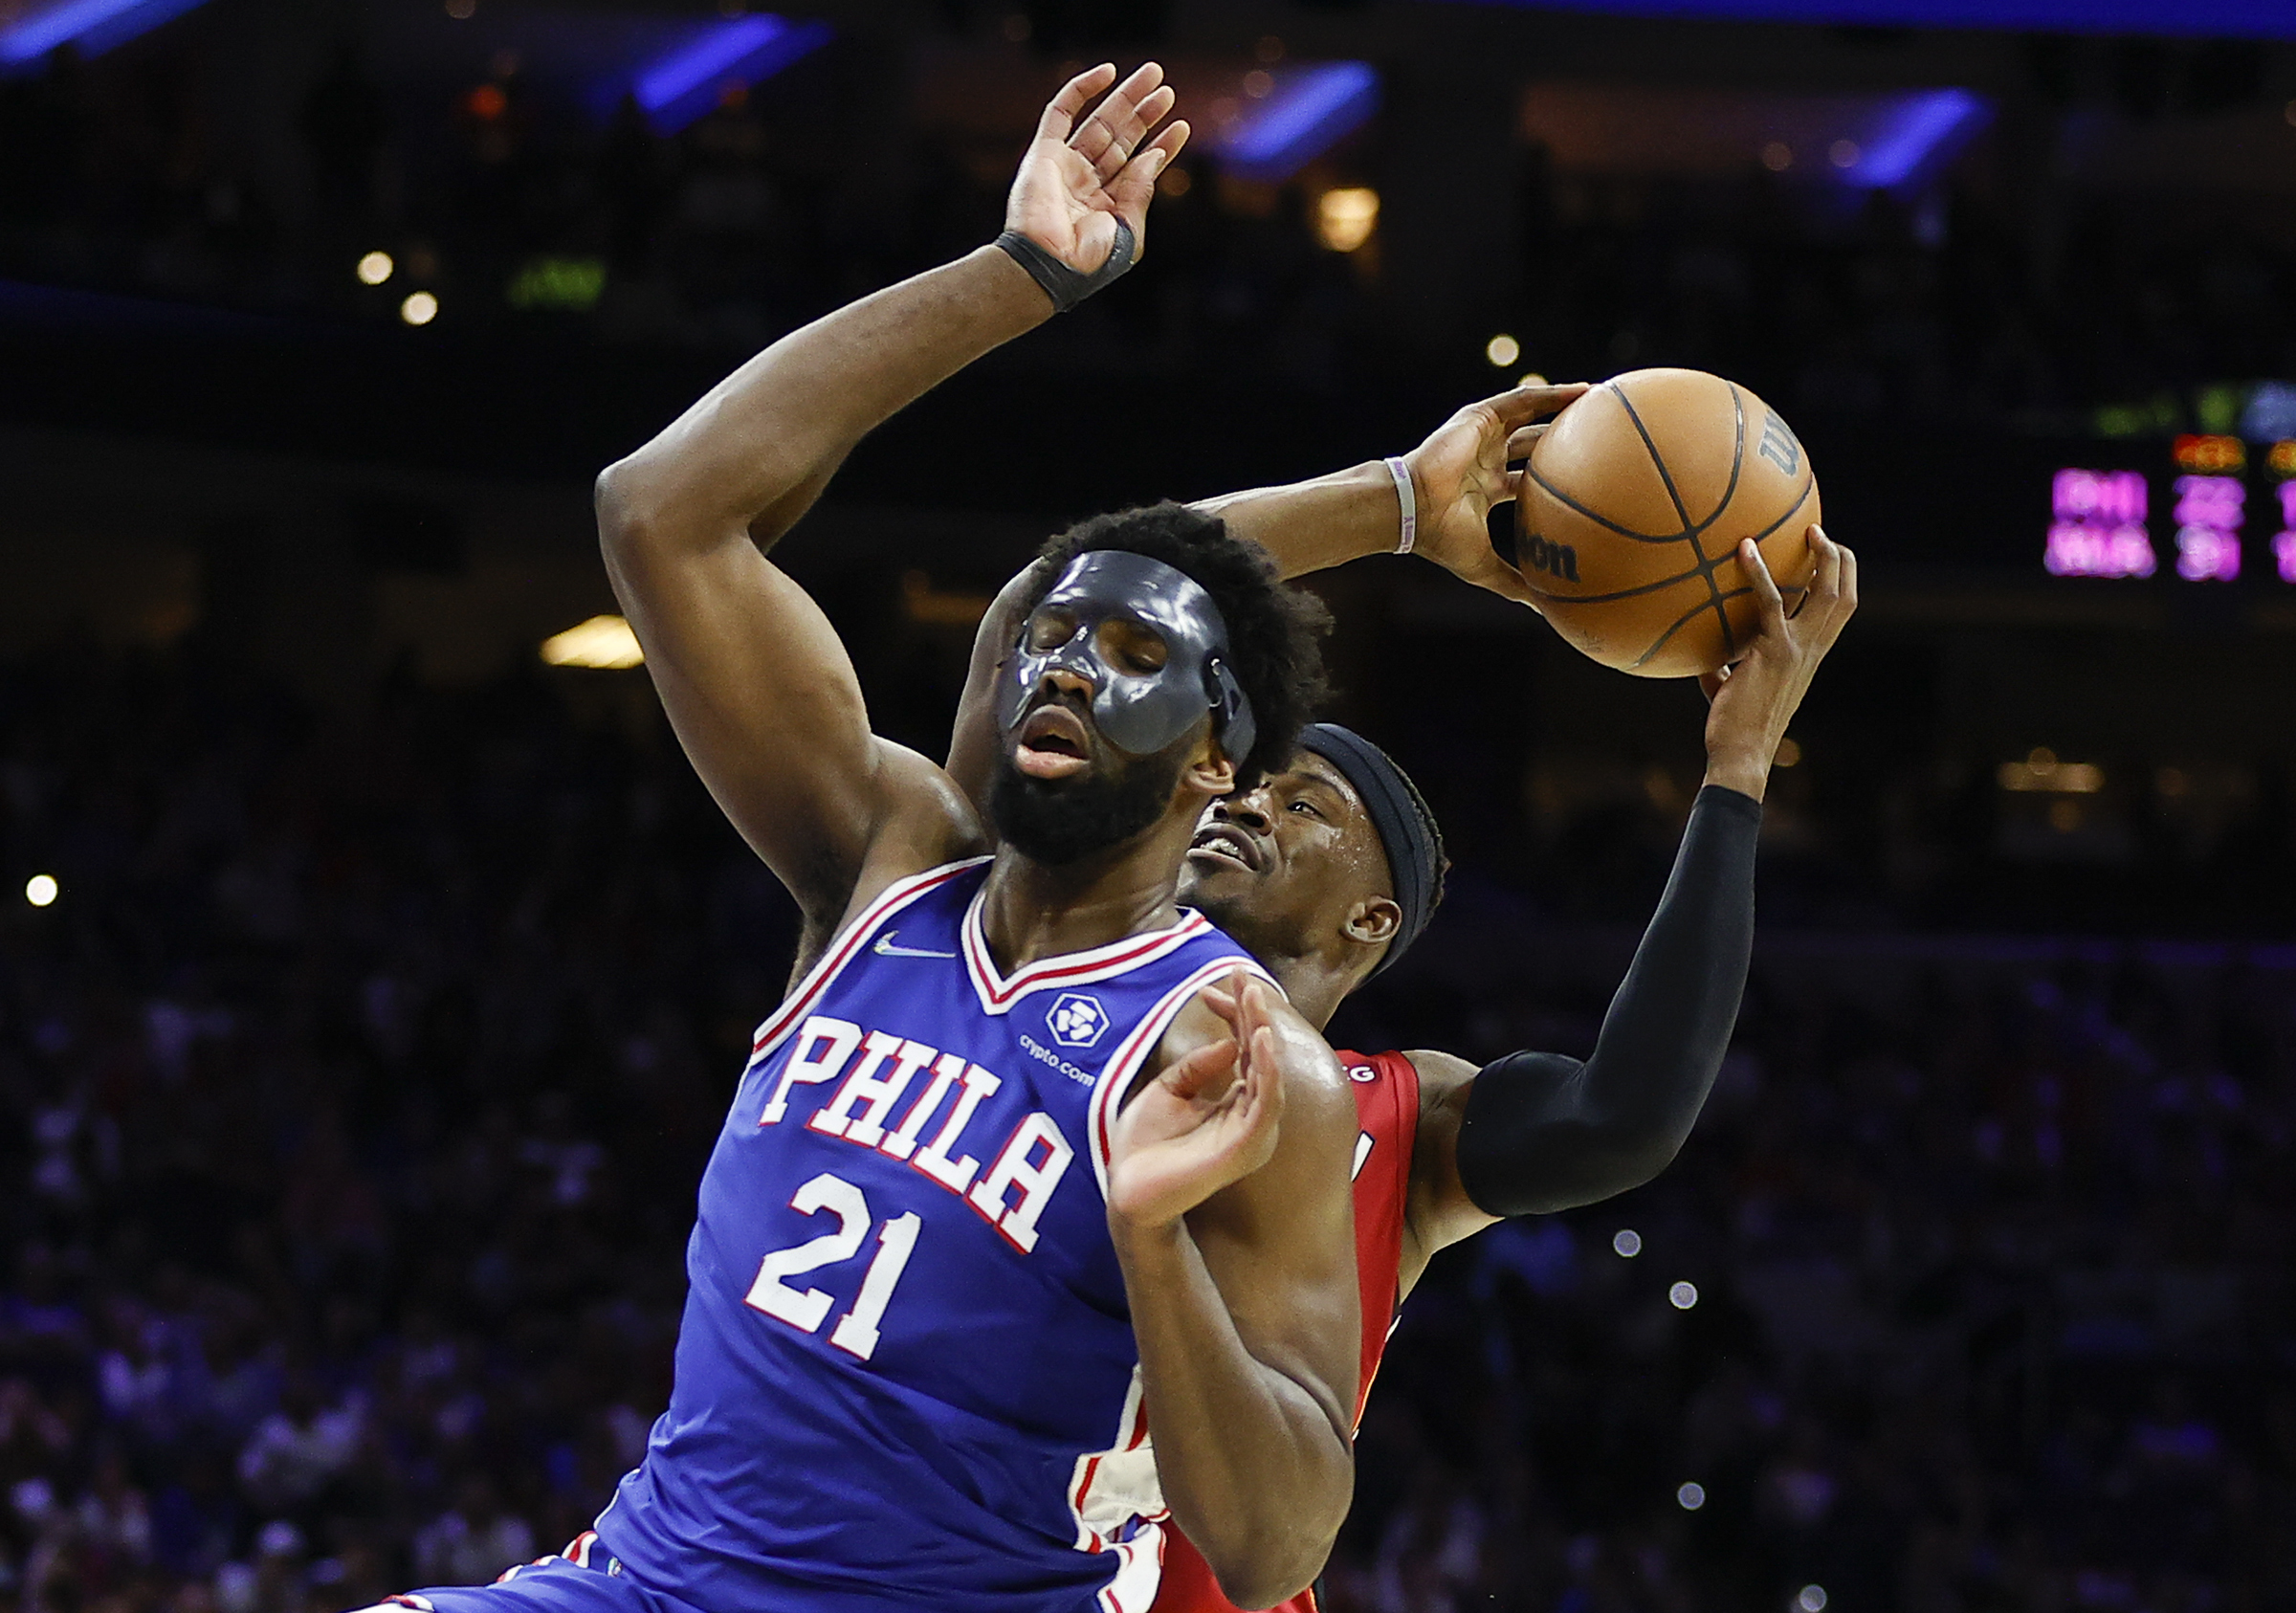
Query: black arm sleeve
(1542,1132)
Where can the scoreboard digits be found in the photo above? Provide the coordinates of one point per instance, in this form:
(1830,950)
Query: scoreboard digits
(2100,519)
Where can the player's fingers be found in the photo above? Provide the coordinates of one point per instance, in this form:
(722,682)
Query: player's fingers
(1849,579)
(1126,135)
(1060,113)
(1266,1091)
(1273,1089)
(1825,570)
(1222,1003)
(1243,1107)
(1191,1073)
(1239,987)
(1251,999)
(1122,119)
(1156,108)
(1093,142)
(1768,601)
(1709,684)
(1521,439)
(1526,404)
(1133,189)
(1142,83)
(1504,579)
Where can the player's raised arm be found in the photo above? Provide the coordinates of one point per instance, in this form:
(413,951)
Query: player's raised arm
(1538,1132)
(754,679)
(1456,478)
(1436,498)
(1228,1200)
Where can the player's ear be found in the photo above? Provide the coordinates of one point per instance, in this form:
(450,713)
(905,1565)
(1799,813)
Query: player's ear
(1373,920)
(1211,772)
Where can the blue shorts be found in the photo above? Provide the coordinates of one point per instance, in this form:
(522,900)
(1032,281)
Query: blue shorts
(584,1580)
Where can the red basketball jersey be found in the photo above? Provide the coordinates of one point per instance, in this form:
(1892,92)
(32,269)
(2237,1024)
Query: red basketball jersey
(1386,1089)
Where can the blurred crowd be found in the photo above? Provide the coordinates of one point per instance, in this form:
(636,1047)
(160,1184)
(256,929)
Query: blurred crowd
(354,1087)
(1969,1292)
(2001,303)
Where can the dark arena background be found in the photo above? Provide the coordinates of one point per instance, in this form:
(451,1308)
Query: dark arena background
(374,972)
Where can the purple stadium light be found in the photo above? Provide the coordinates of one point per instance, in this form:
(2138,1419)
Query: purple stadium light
(1916,130)
(2254,19)
(1304,115)
(681,86)
(94,26)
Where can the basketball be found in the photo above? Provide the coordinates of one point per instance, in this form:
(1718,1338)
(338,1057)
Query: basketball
(1632,509)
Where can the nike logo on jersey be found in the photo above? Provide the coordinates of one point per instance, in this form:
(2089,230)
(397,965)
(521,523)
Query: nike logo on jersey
(886,949)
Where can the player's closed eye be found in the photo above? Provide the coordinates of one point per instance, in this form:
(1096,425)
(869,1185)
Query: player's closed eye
(1049,629)
(1133,648)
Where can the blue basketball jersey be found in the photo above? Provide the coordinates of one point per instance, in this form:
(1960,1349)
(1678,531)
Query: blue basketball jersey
(906,1373)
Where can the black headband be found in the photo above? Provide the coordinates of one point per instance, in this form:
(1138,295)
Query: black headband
(1414,855)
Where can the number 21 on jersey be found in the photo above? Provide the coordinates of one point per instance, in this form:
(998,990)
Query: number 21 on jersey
(805,1309)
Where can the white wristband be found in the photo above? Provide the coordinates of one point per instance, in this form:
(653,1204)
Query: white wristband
(1402,473)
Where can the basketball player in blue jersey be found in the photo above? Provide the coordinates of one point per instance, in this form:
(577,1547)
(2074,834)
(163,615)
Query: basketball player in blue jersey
(1027,1146)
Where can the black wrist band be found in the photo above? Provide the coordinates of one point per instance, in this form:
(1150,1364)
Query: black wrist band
(1067,287)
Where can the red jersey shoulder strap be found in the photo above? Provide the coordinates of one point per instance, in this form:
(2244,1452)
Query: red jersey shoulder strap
(1386,1092)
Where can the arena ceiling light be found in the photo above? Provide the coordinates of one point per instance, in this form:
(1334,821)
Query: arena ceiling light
(92,26)
(1301,113)
(2254,19)
(680,86)
(601,641)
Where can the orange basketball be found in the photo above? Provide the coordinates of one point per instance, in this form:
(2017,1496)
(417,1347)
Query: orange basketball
(1631,512)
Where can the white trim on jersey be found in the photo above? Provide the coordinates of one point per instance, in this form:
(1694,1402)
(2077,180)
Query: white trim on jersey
(997,993)
(844,948)
(1116,1076)
(1107,1488)
(1114,1487)
(1140,1571)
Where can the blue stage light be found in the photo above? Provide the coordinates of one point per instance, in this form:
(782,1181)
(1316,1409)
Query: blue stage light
(1306,112)
(1913,131)
(93,25)
(682,85)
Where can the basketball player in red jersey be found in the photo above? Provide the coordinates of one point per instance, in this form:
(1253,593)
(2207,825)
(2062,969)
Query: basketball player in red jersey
(1327,869)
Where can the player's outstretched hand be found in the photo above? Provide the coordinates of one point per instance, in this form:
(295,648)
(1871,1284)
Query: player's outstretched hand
(1458,475)
(1209,1119)
(1752,700)
(1079,177)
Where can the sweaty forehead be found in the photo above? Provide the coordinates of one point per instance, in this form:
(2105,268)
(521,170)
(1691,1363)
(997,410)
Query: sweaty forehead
(1330,788)
(1314,771)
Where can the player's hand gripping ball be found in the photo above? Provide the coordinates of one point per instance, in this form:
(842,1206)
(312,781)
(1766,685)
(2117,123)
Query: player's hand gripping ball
(1631,510)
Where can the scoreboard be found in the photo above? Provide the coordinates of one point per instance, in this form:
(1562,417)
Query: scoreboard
(2214,513)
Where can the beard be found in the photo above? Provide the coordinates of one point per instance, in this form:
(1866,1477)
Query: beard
(1058,824)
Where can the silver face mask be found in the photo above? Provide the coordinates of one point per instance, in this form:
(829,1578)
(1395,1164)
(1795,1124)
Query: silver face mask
(1138,712)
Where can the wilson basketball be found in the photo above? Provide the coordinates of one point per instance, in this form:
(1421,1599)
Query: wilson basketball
(1630,514)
